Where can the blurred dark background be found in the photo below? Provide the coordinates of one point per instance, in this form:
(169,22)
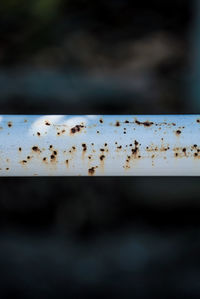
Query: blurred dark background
(94,237)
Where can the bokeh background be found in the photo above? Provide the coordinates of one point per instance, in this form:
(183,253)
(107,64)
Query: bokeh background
(112,237)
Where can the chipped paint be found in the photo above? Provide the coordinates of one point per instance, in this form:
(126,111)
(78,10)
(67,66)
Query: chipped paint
(99,145)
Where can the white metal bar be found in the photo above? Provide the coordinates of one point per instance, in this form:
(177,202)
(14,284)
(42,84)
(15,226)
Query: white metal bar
(101,145)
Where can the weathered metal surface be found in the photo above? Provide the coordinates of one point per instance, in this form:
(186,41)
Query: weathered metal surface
(98,145)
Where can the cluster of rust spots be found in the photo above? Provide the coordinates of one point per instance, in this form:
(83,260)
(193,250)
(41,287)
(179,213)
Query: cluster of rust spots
(76,129)
(61,132)
(145,123)
(9,124)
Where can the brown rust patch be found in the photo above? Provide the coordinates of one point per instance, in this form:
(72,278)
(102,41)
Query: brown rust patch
(117,124)
(91,171)
(101,120)
(145,123)
(35,148)
(53,157)
(76,129)
(102,157)
(178,132)
(9,124)
(38,133)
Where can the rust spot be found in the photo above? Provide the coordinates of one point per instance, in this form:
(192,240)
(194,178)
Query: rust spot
(119,147)
(20,149)
(73,147)
(55,153)
(126,122)
(44,159)
(67,162)
(76,129)
(47,123)
(195,154)
(25,120)
(91,171)
(7,168)
(23,162)
(52,157)
(28,157)
(102,149)
(51,146)
(117,124)
(9,124)
(105,144)
(145,123)
(38,133)
(102,157)
(58,133)
(97,132)
(84,146)
(36,149)
(184,149)
(101,120)
(178,132)
(198,120)
(176,154)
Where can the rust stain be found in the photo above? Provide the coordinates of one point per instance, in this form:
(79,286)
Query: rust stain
(145,123)
(36,149)
(178,132)
(91,171)
(84,146)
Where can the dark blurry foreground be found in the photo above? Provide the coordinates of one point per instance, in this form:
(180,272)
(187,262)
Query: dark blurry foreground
(97,237)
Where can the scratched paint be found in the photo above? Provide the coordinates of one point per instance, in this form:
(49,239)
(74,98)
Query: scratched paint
(99,145)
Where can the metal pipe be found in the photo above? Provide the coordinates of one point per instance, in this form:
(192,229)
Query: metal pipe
(101,145)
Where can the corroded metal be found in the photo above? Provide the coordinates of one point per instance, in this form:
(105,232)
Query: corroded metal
(101,145)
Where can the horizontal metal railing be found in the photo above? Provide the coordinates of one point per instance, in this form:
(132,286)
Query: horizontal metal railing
(99,145)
